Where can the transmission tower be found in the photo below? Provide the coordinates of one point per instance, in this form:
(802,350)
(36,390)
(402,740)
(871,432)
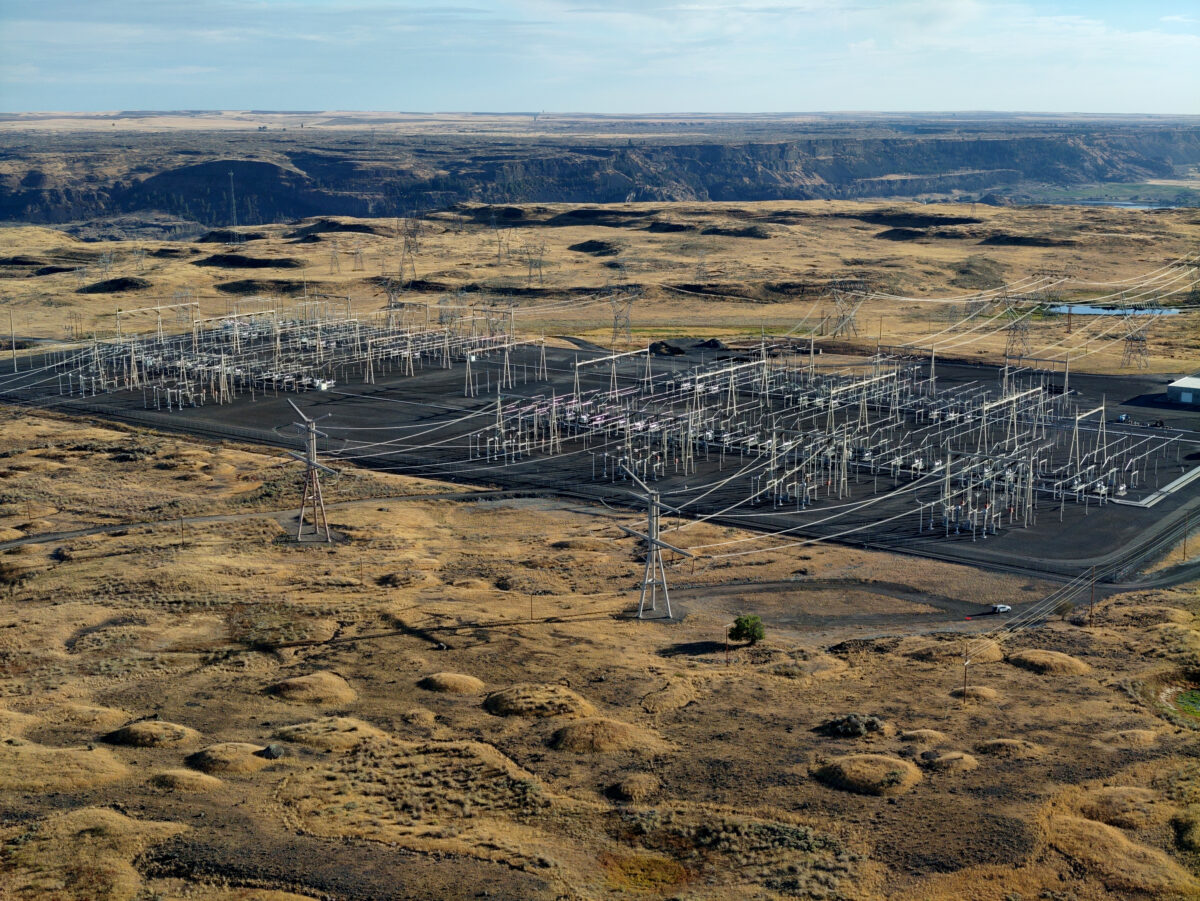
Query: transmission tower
(845,314)
(655,576)
(312,477)
(622,310)
(410,246)
(233,237)
(1016,343)
(1049,289)
(1136,351)
(534,256)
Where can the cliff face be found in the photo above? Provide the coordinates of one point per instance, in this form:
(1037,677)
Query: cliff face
(802,170)
(278,178)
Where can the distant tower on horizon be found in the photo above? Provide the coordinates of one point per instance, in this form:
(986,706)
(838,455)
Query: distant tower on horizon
(233,205)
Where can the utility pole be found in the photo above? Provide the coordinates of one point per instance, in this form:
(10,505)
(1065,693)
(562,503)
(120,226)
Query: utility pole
(312,477)
(656,574)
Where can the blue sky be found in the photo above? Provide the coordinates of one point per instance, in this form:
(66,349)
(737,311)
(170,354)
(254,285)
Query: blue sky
(607,56)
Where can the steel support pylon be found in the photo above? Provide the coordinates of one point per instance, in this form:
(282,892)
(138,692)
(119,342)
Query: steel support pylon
(313,495)
(656,573)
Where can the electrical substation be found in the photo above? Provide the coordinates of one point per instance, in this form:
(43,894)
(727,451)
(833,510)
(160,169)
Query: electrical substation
(1027,465)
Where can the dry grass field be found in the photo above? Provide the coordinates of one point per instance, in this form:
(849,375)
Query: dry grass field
(453,699)
(734,268)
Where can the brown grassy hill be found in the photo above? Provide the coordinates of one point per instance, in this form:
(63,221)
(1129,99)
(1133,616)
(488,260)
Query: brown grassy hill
(237,710)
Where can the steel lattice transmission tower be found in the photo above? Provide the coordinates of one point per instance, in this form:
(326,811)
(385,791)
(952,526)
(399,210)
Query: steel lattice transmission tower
(233,235)
(410,245)
(312,478)
(1050,280)
(1016,343)
(1136,351)
(655,576)
(845,314)
(622,310)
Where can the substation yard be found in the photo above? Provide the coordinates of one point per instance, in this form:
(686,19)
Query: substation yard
(1050,473)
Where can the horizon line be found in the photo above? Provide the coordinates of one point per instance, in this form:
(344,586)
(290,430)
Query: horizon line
(620,115)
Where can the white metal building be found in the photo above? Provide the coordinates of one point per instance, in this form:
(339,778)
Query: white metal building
(1185,391)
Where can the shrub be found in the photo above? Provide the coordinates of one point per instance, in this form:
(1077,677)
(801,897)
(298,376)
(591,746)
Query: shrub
(747,628)
(852,725)
(11,574)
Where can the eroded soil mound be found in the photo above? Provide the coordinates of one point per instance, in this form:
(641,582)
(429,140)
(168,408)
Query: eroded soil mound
(185,781)
(1049,663)
(677,693)
(948,761)
(1119,805)
(315,688)
(923,737)
(233,757)
(637,787)
(331,733)
(1121,863)
(537,701)
(452,683)
(27,766)
(597,735)
(869,774)
(152,734)
(950,648)
(82,855)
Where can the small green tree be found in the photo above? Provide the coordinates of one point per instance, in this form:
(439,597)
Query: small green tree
(1064,609)
(748,628)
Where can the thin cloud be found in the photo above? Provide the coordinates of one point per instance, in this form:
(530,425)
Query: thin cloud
(621,55)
